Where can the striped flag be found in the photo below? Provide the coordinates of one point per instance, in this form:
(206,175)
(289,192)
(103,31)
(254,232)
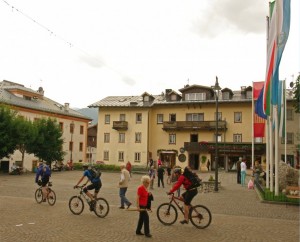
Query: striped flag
(258,116)
(278,31)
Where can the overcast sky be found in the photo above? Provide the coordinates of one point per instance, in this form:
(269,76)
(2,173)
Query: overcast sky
(81,51)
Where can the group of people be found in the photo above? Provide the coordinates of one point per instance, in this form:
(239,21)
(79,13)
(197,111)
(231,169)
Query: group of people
(143,198)
(242,171)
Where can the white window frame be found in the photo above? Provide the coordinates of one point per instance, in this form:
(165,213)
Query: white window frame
(172,139)
(138,137)
(107,119)
(237,138)
(139,118)
(121,156)
(160,118)
(238,117)
(137,156)
(105,155)
(106,137)
(121,137)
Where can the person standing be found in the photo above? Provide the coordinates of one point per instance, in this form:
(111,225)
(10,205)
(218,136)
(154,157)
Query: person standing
(238,170)
(141,203)
(208,164)
(243,172)
(128,167)
(169,170)
(152,176)
(256,171)
(123,185)
(160,176)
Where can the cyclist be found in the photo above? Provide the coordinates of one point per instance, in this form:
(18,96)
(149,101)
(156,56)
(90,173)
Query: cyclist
(95,184)
(188,195)
(44,172)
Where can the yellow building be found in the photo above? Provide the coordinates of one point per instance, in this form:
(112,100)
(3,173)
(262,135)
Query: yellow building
(180,128)
(34,105)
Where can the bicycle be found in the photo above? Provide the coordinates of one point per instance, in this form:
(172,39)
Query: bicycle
(51,196)
(199,215)
(76,204)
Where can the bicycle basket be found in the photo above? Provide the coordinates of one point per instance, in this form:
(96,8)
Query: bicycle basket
(39,182)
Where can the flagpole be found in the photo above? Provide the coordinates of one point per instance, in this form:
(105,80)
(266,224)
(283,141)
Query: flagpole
(252,126)
(276,159)
(285,107)
(267,155)
(271,151)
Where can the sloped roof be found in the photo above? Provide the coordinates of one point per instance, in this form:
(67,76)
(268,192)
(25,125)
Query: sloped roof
(40,103)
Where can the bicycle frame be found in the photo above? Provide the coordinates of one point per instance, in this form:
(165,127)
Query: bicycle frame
(175,200)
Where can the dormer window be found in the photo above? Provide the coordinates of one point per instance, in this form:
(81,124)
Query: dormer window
(225,95)
(249,94)
(27,98)
(195,96)
(146,98)
(173,97)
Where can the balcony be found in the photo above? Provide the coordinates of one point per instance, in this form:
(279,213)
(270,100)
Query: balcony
(194,125)
(120,125)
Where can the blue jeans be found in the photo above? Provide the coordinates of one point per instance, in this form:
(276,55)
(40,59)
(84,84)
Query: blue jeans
(122,193)
(243,177)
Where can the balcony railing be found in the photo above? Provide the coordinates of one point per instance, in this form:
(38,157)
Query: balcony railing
(193,125)
(120,125)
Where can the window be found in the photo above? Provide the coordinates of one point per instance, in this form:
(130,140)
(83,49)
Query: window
(225,95)
(137,157)
(160,118)
(219,136)
(138,137)
(122,117)
(195,96)
(146,98)
(81,129)
(106,155)
(71,146)
(219,116)
(80,146)
(249,94)
(237,138)
(289,138)
(173,97)
(172,138)
(289,114)
(106,137)
(121,137)
(138,118)
(237,117)
(195,117)
(61,126)
(107,119)
(172,117)
(121,156)
(72,128)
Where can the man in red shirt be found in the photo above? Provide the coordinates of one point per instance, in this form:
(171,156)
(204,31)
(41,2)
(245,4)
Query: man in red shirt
(188,195)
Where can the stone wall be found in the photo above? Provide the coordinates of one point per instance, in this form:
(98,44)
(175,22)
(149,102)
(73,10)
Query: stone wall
(288,176)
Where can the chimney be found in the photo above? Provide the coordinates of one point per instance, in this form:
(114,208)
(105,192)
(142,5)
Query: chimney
(67,106)
(41,91)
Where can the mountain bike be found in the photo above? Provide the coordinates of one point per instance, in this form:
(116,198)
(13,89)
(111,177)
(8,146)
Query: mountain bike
(199,215)
(51,196)
(100,206)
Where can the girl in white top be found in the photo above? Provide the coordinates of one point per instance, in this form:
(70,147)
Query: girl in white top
(243,173)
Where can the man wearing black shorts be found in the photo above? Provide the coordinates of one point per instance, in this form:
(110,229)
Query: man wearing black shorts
(187,196)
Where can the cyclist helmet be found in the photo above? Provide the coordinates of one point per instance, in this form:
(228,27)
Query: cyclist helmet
(177,171)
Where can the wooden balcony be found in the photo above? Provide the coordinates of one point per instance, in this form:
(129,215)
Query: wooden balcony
(194,125)
(120,125)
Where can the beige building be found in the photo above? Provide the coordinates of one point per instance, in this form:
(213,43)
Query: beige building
(34,105)
(180,128)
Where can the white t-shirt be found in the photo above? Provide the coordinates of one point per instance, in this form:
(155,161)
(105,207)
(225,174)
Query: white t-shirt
(243,166)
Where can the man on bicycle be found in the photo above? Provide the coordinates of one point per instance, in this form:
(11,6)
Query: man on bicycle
(188,195)
(95,184)
(44,172)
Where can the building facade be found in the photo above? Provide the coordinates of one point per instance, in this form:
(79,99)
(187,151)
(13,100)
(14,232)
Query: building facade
(182,128)
(34,105)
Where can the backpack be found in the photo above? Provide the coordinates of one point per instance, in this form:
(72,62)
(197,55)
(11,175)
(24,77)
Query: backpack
(46,171)
(95,173)
(192,177)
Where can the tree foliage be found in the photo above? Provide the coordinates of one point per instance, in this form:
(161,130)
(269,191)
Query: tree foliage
(47,144)
(296,92)
(8,140)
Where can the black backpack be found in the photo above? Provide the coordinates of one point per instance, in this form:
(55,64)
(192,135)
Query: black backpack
(95,173)
(192,177)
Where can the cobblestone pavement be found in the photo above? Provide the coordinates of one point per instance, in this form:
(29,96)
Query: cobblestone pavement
(238,214)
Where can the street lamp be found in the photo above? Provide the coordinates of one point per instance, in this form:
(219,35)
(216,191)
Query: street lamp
(72,131)
(216,89)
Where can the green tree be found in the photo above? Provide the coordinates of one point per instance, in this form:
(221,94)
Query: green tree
(26,134)
(48,143)
(296,92)
(8,140)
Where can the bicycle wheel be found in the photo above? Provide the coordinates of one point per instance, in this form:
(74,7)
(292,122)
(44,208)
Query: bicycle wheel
(167,213)
(200,216)
(101,207)
(51,197)
(76,205)
(38,195)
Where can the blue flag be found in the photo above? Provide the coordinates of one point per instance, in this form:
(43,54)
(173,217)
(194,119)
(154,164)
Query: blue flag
(259,105)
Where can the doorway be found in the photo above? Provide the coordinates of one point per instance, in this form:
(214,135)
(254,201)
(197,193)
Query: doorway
(194,161)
